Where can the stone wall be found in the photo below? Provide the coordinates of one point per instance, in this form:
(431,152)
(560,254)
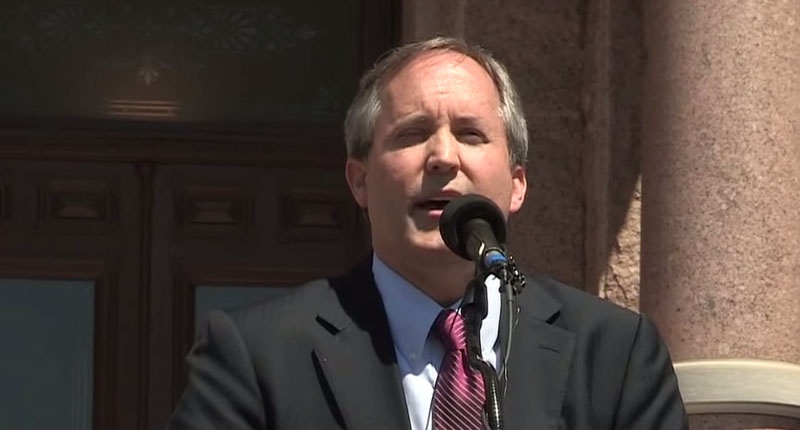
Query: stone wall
(665,154)
(578,67)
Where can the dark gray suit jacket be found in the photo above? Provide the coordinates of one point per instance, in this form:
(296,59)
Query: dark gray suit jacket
(323,358)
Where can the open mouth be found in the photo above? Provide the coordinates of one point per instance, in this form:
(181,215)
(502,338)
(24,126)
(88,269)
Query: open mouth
(433,204)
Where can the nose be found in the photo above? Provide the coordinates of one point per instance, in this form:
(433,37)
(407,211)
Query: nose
(442,154)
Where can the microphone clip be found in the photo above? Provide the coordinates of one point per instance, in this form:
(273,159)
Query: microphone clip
(516,280)
(506,271)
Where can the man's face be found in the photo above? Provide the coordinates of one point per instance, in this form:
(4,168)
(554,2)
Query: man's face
(439,134)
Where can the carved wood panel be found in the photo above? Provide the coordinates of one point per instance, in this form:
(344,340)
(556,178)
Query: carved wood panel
(315,214)
(76,204)
(74,199)
(210,210)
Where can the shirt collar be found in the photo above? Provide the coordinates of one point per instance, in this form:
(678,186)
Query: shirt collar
(411,312)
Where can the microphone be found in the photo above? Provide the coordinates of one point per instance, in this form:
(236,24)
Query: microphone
(474,228)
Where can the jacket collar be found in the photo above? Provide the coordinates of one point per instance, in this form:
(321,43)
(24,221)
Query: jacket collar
(539,364)
(358,359)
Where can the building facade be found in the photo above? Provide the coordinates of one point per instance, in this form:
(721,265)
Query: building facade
(158,161)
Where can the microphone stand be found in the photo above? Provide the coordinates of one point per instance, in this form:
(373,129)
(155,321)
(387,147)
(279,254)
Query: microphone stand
(474,308)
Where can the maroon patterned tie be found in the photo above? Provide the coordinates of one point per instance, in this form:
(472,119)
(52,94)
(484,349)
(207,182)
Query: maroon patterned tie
(458,397)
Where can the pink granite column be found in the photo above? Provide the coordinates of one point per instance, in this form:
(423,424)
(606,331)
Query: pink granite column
(721,182)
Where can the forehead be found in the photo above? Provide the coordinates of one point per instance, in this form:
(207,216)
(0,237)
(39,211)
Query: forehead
(437,72)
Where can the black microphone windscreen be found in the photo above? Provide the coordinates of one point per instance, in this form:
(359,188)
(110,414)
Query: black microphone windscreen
(460,211)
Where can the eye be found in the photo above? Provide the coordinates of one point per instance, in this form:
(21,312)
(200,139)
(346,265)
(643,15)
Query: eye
(411,132)
(412,135)
(471,136)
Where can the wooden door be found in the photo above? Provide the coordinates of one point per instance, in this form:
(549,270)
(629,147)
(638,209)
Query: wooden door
(63,222)
(203,169)
(228,228)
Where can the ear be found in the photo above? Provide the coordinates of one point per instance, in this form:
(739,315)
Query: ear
(356,173)
(519,186)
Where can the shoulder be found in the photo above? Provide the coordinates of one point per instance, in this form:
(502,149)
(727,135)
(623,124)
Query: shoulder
(581,312)
(280,314)
(283,321)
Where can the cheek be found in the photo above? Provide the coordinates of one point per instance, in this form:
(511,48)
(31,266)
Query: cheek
(490,171)
(489,156)
(384,188)
(492,177)
(398,172)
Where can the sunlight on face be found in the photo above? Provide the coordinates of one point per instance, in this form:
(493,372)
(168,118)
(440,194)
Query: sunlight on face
(439,135)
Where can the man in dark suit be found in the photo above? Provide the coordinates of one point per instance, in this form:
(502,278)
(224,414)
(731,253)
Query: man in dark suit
(432,121)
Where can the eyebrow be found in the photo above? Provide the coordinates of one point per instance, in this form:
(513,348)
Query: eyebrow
(472,121)
(417,119)
(420,119)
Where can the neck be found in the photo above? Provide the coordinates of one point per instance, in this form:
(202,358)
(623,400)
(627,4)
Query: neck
(443,279)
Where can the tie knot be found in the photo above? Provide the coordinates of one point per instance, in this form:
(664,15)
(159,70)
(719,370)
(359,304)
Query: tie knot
(449,329)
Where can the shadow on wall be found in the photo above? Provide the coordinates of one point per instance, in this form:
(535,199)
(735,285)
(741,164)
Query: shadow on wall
(579,69)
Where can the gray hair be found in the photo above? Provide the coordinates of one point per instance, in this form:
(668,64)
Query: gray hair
(359,125)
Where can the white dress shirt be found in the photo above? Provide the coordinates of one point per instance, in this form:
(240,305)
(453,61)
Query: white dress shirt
(411,314)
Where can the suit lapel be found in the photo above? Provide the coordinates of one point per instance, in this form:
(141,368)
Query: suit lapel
(358,359)
(539,363)
(359,364)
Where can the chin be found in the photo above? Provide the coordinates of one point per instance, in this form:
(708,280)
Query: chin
(430,241)
(439,252)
